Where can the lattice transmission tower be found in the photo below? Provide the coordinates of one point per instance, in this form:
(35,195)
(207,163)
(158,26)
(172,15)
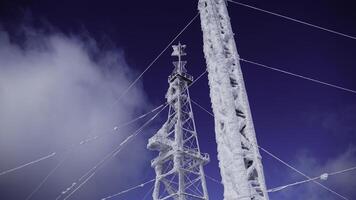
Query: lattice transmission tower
(179,165)
(239,158)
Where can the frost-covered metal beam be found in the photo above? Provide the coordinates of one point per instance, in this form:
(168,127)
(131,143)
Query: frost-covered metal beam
(238,154)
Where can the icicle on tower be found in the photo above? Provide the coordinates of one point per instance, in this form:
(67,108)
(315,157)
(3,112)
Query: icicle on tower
(239,159)
(179,165)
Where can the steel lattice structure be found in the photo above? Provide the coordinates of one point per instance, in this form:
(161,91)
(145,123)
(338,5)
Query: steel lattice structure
(179,165)
(238,154)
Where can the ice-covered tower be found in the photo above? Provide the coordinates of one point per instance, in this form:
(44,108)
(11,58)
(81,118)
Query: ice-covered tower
(179,165)
(238,154)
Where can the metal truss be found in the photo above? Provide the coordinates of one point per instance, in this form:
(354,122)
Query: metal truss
(238,154)
(179,165)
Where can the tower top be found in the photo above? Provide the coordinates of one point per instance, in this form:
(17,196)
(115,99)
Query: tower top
(178,50)
(180,70)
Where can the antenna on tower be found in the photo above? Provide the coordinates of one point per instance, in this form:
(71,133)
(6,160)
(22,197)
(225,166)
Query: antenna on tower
(179,65)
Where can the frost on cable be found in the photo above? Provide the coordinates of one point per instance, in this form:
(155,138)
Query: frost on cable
(179,165)
(239,158)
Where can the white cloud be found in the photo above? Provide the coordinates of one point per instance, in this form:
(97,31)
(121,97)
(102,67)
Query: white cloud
(54,91)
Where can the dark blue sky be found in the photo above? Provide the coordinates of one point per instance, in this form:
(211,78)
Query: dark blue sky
(307,124)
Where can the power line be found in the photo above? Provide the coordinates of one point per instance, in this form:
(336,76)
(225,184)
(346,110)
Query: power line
(46,178)
(213,179)
(342,171)
(301,173)
(87,176)
(85,141)
(294,20)
(157,57)
(148,192)
(141,116)
(27,164)
(298,76)
(201,107)
(276,189)
(129,189)
(81,142)
(288,165)
(118,127)
(323,177)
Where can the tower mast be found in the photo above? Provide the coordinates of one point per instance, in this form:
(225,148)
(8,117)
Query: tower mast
(179,165)
(238,154)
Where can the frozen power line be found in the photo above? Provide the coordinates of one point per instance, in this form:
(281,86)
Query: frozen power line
(88,175)
(213,179)
(140,117)
(294,20)
(85,141)
(288,165)
(27,164)
(301,173)
(148,192)
(298,76)
(46,177)
(129,189)
(158,56)
(322,177)
(201,107)
(342,171)
(118,127)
